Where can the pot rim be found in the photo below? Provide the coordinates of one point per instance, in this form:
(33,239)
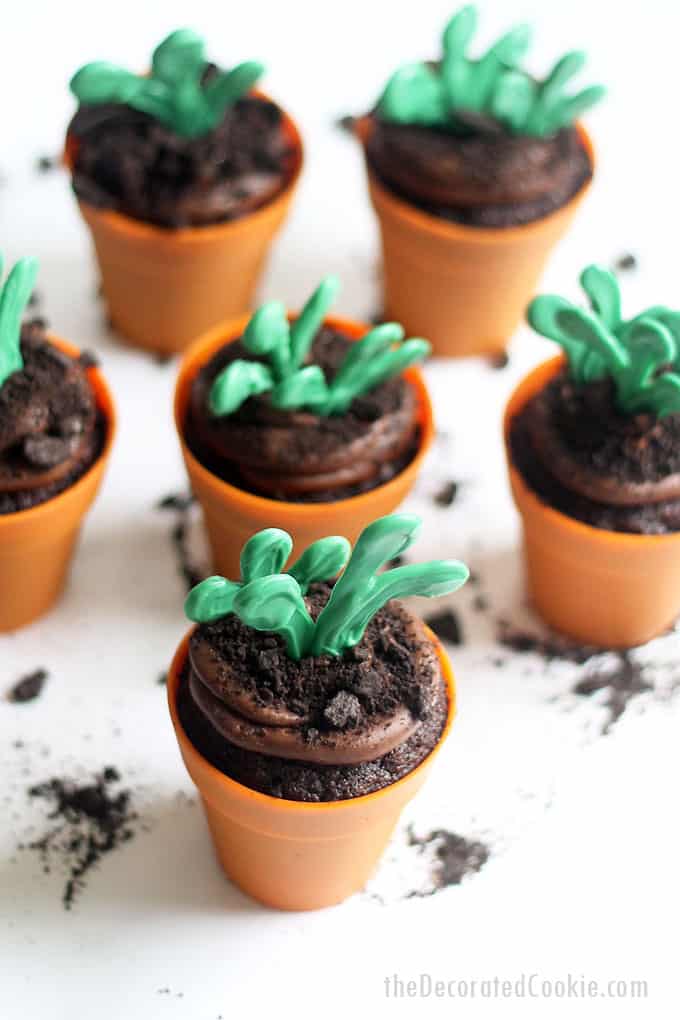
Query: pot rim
(185,235)
(106,406)
(529,385)
(279,803)
(455,231)
(199,352)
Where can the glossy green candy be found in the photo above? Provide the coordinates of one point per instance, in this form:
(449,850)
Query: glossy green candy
(174,92)
(634,353)
(439,95)
(378,356)
(270,601)
(14,296)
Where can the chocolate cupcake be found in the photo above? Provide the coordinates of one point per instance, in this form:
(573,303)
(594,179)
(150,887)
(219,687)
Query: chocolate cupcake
(306,689)
(303,412)
(167,164)
(473,165)
(592,444)
(56,429)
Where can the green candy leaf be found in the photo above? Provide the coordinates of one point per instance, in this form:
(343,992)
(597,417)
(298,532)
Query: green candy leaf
(227,87)
(309,321)
(14,297)
(650,347)
(100,82)
(275,604)
(265,553)
(211,600)
(602,289)
(180,55)
(321,561)
(549,315)
(268,333)
(414,95)
(437,95)
(306,388)
(236,383)
(666,394)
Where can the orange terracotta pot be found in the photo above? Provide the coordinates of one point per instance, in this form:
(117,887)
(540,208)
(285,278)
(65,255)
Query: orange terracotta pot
(600,587)
(37,545)
(164,287)
(232,515)
(463,288)
(288,854)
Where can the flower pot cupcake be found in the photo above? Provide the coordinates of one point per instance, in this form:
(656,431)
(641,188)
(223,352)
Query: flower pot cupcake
(312,424)
(183,176)
(308,711)
(56,429)
(475,170)
(593,442)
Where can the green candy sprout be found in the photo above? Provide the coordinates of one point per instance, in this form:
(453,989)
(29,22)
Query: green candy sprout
(14,295)
(641,355)
(174,92)
(379,355)
(439,95)
(271,601)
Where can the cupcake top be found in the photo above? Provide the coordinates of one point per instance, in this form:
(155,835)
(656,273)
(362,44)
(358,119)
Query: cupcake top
(300,408)
(185,145)
(607,427)
(482,141)
(48,411)
(298,666)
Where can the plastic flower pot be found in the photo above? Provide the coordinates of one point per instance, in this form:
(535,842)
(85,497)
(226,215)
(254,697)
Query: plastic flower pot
(464,288)
(37,545)
(294,855)
(163,287)
(232,515)
(600,587)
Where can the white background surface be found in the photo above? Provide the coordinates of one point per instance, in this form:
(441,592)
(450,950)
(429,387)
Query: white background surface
(583,828)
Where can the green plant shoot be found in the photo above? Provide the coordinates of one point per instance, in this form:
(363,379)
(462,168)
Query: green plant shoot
(269,600)
(641,355)
(440,95)
(380,354)
(176,92)
(14,296)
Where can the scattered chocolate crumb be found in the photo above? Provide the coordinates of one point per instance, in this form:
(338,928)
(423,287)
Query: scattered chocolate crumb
(473,578)
(45,163)
(35,299)
(162,679)
(346,123)
(446,625)
(548,647)
(343,711)
(376,318)
(163,359)
(480,603)
(447,494)
(501,360)
(626,262)
(622,683)
(91,820)
(28,687)
(88,359)
(181,503)
(455,858)
(397,561)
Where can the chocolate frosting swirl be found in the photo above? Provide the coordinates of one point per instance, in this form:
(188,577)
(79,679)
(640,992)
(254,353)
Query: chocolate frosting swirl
(278,731)
(477,176)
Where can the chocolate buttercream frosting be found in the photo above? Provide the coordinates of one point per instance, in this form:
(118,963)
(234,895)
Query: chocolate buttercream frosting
(324,721)
(483,176)
(586,457)
(49,429)
(125,160)
(297,455)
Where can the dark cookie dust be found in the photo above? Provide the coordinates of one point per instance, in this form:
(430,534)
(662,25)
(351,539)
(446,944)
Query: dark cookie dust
(625,263)
(455,857)
(622,682)
(447,494)
(180,504)
(446,626)
(28,687)
(88,821)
